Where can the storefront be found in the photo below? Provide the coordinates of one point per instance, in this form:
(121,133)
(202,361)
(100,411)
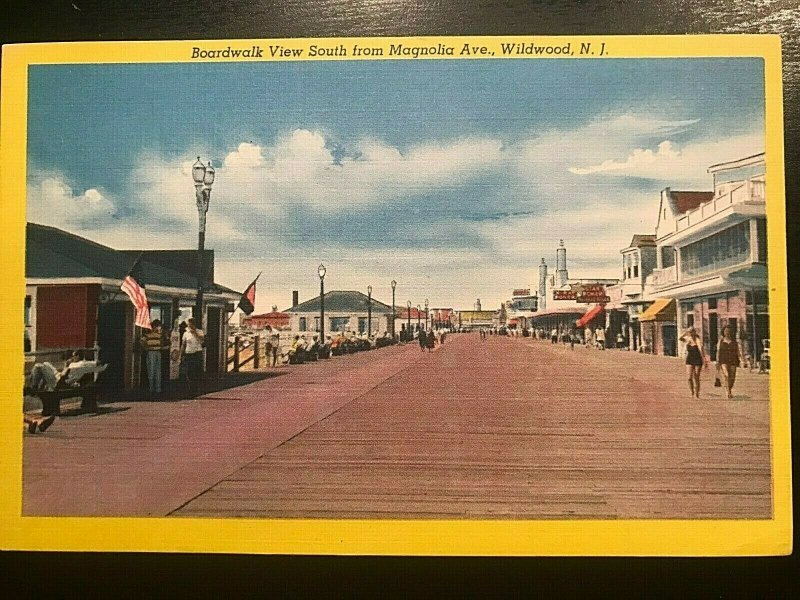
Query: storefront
(74,301)
(659,328)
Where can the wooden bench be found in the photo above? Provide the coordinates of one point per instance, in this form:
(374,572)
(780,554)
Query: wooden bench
(85,389)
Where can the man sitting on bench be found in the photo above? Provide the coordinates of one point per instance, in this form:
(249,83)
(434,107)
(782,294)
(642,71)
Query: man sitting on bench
(45,377)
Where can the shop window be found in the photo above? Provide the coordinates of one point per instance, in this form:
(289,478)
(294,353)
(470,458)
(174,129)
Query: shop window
(712,304)
(316,323)
(362,324)
(635,270)
(303,324)
(667,256)
(727,248)
(339,323)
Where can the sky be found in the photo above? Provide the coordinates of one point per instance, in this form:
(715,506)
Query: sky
(453,177)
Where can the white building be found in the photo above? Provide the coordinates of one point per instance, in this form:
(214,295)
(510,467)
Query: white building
(345,311)
(712,254)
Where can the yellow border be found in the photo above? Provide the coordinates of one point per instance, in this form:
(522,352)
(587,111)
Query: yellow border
(576,537)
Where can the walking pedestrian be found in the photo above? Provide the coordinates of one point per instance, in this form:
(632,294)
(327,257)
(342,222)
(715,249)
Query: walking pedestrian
(587,337)
(423,340)
(154,346)
(729,357)
(600,337)
(194,340)
(554,336)
(431,340)
(695,359)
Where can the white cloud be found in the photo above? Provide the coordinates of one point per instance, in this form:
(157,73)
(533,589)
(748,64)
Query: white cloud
(637,160)
(266,197)
(52,201)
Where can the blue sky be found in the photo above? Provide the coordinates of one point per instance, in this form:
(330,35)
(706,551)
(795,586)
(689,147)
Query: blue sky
(453,177)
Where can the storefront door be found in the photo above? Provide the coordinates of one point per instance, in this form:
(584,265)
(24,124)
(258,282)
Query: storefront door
(111,328)
(713,335)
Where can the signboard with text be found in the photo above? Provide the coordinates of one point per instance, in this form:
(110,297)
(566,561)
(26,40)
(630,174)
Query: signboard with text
(584,293)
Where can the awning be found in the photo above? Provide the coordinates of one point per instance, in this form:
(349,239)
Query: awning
(591,314)
(663,309)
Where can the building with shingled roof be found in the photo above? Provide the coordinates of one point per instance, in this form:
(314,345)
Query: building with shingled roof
(73,300)
(345,311)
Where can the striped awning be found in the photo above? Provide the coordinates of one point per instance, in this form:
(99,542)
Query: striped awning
(590,314)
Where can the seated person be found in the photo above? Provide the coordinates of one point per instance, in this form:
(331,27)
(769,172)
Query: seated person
(44,376)
(312,348)
(297,350)
(324,350)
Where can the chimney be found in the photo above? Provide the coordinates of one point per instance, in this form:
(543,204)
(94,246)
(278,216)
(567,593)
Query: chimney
(561,265)
(542,286)
(295,298)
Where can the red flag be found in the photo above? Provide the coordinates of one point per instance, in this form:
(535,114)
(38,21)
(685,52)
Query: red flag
(133,285)
(248,301)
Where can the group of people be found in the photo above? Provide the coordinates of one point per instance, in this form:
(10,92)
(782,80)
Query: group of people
(729,358)
(192,342)
(430,338)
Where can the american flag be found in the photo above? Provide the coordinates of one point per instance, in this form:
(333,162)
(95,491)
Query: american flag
(133,285)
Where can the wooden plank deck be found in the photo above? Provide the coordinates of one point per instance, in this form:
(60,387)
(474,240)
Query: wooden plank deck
(516,428)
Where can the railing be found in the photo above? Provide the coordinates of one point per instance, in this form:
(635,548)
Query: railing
(235,359)
(750,191)
(662,277)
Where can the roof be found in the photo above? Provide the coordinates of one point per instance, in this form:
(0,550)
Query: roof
(341,301)
(686,201)
(642,240)
(52,253)
(663,309)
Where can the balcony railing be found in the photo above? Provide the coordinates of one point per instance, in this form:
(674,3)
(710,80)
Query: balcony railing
(748,192)
(661,277)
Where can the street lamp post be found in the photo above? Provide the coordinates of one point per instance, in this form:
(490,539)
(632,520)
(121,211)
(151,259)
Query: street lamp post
(426,314)
(203,179)
(369,311)
(394,285)
(418,316)
(321,272)
(408,327)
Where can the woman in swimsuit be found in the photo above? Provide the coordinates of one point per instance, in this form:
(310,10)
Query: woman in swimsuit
(729,356)
(695,359)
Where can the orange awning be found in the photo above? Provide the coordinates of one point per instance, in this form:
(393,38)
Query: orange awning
(663,309)
(590,314)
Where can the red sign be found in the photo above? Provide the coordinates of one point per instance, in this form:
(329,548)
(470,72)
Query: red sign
(591,293)
(521,292)
(585,293)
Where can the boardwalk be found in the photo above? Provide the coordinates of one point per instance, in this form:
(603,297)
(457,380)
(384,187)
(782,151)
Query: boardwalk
(505,428)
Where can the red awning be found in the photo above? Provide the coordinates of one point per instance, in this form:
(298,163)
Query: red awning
(591,314)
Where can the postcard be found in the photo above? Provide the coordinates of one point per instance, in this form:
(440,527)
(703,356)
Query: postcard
(437,296)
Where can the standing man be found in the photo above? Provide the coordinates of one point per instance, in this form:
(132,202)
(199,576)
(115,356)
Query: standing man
(268,344)
(275,342)
(192,351)
(153,347)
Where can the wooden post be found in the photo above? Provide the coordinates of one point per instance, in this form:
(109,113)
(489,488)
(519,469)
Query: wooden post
(236,354)
(256,351)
